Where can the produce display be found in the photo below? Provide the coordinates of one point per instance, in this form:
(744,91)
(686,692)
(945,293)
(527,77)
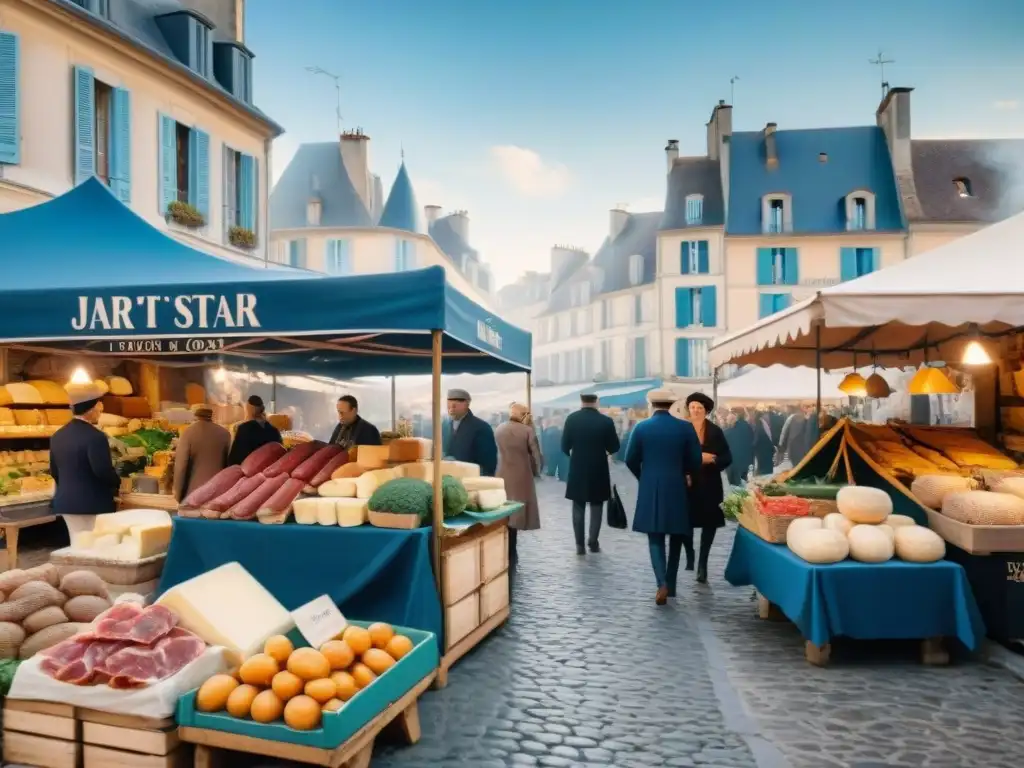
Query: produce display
(297,685)
(780,506)
(931,490)
(127,536)
(25,472)
(865,530)
(39,609)
(960,446)
(984,508)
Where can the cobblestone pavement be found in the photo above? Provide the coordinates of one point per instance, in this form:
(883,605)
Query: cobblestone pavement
(589,672)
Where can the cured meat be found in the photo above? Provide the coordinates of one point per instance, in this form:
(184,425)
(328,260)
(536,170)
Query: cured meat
(188,512)
(138,666)
(262,458)
(231,497)
(308,469)
(133,623)
(214,487)
(325,473)
(282,500)
(291,460)
(78,661)
(247,508)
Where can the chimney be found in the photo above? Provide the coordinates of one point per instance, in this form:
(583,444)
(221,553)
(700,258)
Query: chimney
(719,129)
(460,223)
(240,21)
(771,156)
(378,198)
(617,220)
(893,117)
(431,213)
(672,152)
(355,155)
(561,257)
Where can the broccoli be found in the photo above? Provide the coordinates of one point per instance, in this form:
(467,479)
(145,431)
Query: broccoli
(403,496)
(455,497)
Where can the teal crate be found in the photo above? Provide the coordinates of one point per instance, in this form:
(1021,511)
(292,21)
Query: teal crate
(337,727)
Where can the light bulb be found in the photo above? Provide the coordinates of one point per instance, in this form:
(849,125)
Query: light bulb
(220,375)
(80,376)
(975,354)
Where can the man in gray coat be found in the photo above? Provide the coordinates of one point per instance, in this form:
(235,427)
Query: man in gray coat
(588,439)
(202,452)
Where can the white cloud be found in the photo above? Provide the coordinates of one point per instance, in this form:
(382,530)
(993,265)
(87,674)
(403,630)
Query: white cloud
(428,191)
(528,173)
(281,154)
(646,205)
(1006,105)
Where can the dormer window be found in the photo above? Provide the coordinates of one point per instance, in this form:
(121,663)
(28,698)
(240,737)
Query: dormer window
(188,35)
(860,211)
(694,210)
(232,67)
(98,7)
(636,269)
(776,213)
(963,187)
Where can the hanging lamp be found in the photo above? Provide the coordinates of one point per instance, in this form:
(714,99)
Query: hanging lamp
(975,352)
(877,387)
(931,381)
(853,384)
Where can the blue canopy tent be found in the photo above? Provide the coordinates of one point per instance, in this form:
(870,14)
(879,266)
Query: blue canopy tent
(92,278)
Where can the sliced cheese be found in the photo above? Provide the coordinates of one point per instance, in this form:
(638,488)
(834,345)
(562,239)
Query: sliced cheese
(106,541)
(409,449)
(305,511)
(366,484)
(344,487)
(491,499)
(326,512)
(84,540)
(119,386)
(229,608)
(373,456)
(122,522)
(351,512)
(24,394)
(152,538)
(484,484)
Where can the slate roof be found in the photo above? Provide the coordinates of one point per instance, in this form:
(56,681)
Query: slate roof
(135,22)
(341,205)
(450,242)
(694,176)
(858,158)
(401,211)
(994,169)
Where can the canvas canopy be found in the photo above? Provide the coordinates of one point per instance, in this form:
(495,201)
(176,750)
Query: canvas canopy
(778,384)
(93,277)
(933,301)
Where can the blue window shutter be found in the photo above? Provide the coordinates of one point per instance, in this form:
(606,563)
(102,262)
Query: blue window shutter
(199,171)
(85,124)
(10,128)
(121,145)
(791,267)
(847,263)
(765,270)
(684,307)
(246,198)
(708,310)
(703,261)
(168,163)
(767,304)
(254,194)
(782,301)
(683,357)
(330,258)
(684,258)
(639,357)
(872,260)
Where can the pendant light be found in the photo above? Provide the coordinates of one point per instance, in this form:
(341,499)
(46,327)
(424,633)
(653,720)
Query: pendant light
(853,384)
(877,387)
(931,381)
(975,352)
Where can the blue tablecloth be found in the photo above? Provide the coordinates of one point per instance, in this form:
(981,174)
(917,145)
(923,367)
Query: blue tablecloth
(375,574)
(864,601)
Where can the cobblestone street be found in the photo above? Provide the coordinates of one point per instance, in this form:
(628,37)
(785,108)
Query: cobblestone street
(590,672)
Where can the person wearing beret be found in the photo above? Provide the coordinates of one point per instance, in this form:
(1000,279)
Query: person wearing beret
(80,463)
(706,491)
(467,437)
(253,433)
(588,440)
(664,455)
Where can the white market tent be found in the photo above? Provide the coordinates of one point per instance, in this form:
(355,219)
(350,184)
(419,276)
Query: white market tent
(935,301)
(779,384)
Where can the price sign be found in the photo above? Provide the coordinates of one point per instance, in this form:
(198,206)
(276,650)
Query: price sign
(319,621)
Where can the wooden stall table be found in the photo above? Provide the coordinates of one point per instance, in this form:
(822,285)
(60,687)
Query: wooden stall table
(164,501)
(17,512)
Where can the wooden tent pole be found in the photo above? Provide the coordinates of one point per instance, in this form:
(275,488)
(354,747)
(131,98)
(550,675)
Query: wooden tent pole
(437,521)
(529,391)
(394,405)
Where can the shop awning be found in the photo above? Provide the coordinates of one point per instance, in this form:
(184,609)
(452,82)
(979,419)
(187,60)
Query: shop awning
(931,301)
(611,394)
(84,274)
(778,384)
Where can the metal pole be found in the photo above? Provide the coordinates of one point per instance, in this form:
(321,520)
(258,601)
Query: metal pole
(394,406)
(817,365)
(714,385)
(438,517)
(529,391)
(273,393)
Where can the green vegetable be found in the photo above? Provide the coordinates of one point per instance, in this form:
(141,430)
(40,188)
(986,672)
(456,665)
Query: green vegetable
(774,489)
(403,496)
(455,497)
(812,490)
(733,503)
(7,669)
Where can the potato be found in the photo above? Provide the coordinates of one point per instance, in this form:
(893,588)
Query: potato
(85,608)
(43,618)
(81,583)
(32,588)
(11,638)
(44,638)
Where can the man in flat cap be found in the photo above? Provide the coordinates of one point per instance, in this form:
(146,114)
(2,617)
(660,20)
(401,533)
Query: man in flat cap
(467,437)
(80,463)
(202,452)
(588,440)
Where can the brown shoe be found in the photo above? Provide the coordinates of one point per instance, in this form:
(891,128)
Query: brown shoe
(661,597)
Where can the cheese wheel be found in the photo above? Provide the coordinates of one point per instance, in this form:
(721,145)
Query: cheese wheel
(51,392)
(24,394)
(837,522)
(917,544)
(119,386)
(870,544)
(326,512)
(803,524)
(864,505)
(818,545)
(899,521)
(984,508)
(931,490)
(351,513)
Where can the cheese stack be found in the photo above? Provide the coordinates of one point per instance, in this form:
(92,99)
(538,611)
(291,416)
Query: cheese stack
(424,470)
(346,512)
(134,534)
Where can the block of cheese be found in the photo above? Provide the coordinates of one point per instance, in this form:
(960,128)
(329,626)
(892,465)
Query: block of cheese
(106,541)
(344,487)
(351,512)
(366,484)
(229,608)
(84,540)
(24,394)
(57,418)
(373,456)
(122,522)
(491,499)
(111,420)
(483,483)
(129,550)
(51,392)
(152,538)
(305,510)
(424,470)
(409,449)
(326,512)
(119,386)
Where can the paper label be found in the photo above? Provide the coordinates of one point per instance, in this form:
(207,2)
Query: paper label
(319,621)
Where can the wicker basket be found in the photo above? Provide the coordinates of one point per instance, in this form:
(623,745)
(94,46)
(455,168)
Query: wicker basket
(771,528)
(822,507)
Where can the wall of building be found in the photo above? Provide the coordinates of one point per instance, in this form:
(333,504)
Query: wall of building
(928,237)
(49,52)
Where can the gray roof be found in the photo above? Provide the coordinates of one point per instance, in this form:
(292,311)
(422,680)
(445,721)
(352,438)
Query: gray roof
(135,22)
(317,170)
(994,169)
(694,176)
(449,241)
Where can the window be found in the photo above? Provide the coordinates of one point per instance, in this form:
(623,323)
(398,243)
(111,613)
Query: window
(696,307)
(692,359)
(484,281)
(181,148)
(99,7)
(694,209)
(638,309)
(297,253)
(405,256)
(776,216)
(239,192)
(860,214)
(636,269)
(637,354)
(694,257)
(856,262)
(102,135)
(606,314)
(242,85)
(963,187)
(10,128)
(605,363)
(588,364)
(777,266)
(103,104)
(583,321)
(770,303)
(200,48)
(338,259)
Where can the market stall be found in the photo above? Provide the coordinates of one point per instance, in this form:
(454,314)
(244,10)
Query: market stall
(779,384)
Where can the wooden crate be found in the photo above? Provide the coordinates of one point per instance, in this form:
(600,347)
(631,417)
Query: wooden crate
(461,619)
(41,734)
(460,569)
(493,554)
(494,596)
(121,741)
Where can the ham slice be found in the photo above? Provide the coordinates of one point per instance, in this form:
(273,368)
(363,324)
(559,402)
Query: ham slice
(132,623)
(138,666)
(262,458)
(308,469)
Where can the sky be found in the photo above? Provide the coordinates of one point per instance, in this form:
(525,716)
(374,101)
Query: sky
(539,116)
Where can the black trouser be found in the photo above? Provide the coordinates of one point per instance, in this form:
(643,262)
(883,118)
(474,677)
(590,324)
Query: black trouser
(512,554)
(707,538)
(578,511)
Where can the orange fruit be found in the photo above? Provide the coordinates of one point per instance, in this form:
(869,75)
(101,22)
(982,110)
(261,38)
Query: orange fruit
(258,670)
(302,713)
(378,661)
(380,634)
(266,707)
(241,699)
(358,640)
(398,646)
(280,647)
(309,664)
(338,653)
(345,687)
(286,685)
(362,675)
(321,691)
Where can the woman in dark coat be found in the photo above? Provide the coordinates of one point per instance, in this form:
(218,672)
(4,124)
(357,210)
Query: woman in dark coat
(254,433)
(764,444)
(706,491)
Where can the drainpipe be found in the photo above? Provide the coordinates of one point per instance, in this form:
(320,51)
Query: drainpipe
(265,225)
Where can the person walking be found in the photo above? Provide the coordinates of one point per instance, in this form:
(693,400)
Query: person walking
(467,437)
(764,446)
(741,443)
(519,463)
(551,438)
(588,440)
(201,453)
(664,455)
(706,490)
